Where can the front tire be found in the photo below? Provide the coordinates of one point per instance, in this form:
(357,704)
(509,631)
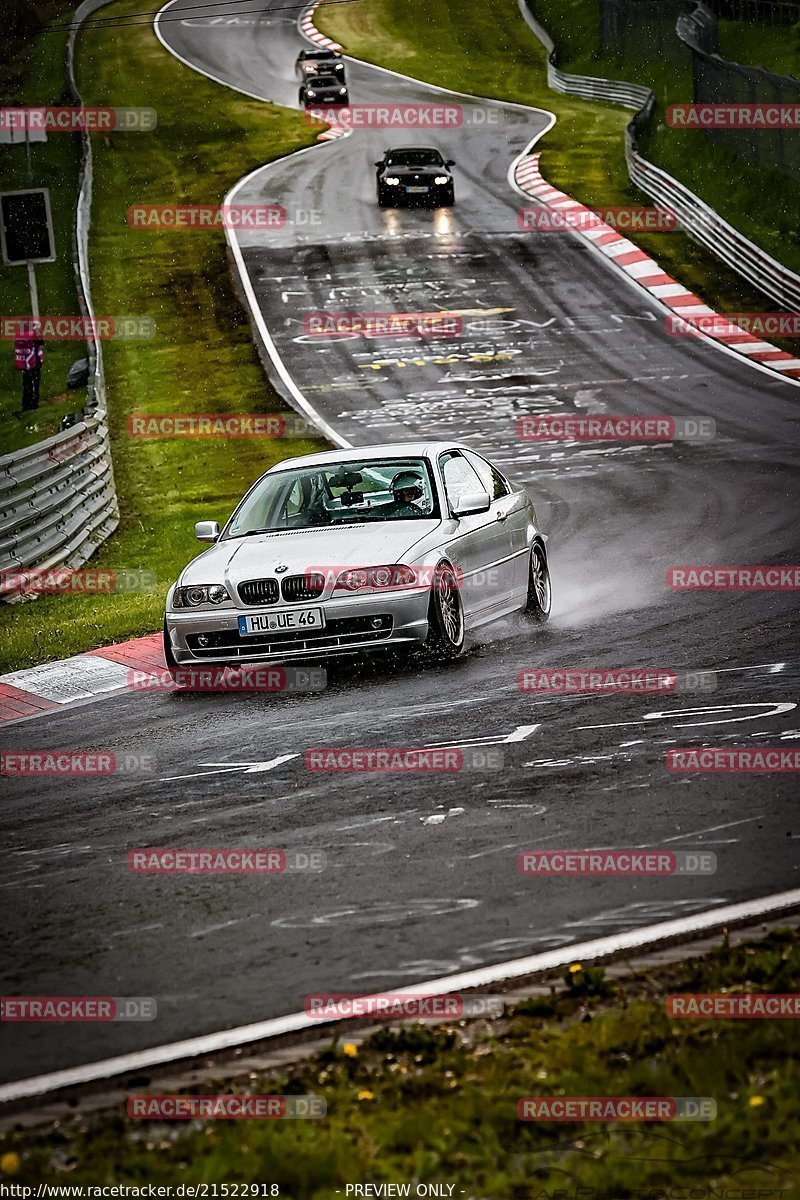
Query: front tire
(540,591)
(446,629)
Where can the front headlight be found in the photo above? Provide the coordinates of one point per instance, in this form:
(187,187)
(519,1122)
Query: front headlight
(342,91)
(391,180)
(193,597)
(441,180)
(361,579)
(310,94)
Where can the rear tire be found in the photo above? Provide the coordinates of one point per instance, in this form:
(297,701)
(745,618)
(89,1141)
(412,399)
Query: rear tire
(540,591)
(446,629)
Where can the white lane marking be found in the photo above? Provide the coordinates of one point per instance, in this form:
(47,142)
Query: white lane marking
(199,933)
(226,1039)
(192,67)
(678,837)
(301,402)
(517,735)
(247,768)
(774,711)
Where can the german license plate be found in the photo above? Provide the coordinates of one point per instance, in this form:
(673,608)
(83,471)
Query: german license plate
(293,621)
(416,189)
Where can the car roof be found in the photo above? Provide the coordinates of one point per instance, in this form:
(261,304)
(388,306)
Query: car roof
(416,149)
(322,78)
(355,453)
(320,54)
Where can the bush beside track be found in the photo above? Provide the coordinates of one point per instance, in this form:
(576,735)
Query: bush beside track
(489,51)
(202,358)
(438,1103)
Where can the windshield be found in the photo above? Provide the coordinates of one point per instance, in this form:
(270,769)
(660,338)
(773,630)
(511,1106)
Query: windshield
(338,493)
(414,158)
(323,81)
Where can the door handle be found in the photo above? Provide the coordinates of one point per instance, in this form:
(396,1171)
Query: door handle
(502,516)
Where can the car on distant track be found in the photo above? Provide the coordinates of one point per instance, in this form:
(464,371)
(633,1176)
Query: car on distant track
(323,89)
(319,62)
(415,175)
(409,545)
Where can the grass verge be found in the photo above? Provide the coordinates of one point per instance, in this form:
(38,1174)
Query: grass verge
(439,1104)
(33,72)
(761,202)
(202,359)
(489,51)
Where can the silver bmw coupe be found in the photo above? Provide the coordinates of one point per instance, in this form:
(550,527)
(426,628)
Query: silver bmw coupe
(410,544)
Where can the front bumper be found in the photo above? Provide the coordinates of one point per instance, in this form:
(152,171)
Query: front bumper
(353,624)
(433,198)
(336,101)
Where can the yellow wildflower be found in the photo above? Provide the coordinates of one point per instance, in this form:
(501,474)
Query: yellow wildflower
(9,1163)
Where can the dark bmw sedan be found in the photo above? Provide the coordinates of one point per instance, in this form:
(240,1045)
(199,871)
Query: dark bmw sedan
(323,89)
(415,175)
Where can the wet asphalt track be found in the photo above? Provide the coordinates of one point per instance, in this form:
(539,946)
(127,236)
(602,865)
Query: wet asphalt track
(421,876)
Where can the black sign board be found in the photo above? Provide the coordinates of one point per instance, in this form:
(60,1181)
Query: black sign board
(26,227)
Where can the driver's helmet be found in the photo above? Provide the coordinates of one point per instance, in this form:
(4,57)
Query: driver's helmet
(407,486)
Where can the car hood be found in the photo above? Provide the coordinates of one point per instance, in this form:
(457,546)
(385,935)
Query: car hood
(300,550)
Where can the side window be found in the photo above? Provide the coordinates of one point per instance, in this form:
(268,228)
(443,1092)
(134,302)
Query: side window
(459,477)
(492,480)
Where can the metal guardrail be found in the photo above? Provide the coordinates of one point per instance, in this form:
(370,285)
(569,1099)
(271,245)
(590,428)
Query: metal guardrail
(701,222)
(58,502)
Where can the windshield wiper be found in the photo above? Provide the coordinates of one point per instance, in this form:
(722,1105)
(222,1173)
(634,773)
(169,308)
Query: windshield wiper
(250,532)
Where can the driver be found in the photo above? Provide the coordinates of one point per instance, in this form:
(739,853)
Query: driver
(406,488)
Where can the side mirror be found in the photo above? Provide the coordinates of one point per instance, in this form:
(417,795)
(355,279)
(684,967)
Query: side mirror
(471,504)
(379,164)
(206,531)
(449,162)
